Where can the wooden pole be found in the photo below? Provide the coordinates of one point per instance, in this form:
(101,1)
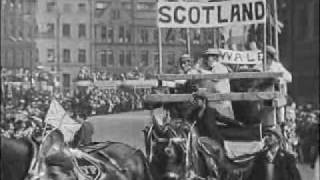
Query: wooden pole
(188,40)
(276,27)
(160,49)
(265,40)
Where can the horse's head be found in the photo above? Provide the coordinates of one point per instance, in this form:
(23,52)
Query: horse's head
(53,161)
(169,143)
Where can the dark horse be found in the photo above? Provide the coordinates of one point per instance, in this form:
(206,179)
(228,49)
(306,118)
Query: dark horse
(176,152)
(52,160)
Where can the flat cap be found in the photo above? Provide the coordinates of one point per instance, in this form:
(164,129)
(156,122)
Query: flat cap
(212,51)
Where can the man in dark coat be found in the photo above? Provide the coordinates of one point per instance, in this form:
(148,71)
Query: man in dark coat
(207,118)
(275,163)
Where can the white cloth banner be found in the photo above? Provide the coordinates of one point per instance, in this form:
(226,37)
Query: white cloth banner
(241,57)
(236,149)
(59,118)
(210,14)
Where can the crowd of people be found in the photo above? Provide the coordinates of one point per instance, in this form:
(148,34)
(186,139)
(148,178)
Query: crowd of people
(25,75)
(106,101)
(24,110)
(301,131)
(85,74)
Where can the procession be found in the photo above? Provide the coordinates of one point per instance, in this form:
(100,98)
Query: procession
(159,90)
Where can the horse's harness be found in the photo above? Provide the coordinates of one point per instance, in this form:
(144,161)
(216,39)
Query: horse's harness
(34,171)
(184,143)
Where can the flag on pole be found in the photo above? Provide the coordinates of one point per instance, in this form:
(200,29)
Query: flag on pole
(59,118)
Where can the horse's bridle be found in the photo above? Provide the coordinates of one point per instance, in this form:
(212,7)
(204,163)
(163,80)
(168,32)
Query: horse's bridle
(175,140)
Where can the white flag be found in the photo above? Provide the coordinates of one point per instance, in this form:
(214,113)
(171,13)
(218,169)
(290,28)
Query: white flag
(59,118)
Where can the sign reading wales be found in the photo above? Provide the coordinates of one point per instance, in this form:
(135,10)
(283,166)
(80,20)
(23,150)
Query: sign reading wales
(210,14)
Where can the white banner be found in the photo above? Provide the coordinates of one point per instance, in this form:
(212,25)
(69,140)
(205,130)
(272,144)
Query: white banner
(241,57)
(210,14)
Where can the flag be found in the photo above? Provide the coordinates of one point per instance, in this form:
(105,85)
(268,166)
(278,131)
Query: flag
(58,117)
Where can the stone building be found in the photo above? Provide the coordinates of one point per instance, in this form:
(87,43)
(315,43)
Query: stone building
(126,37)
(64,38)
(17,33)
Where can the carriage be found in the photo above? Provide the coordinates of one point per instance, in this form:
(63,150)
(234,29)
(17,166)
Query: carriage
(258,99)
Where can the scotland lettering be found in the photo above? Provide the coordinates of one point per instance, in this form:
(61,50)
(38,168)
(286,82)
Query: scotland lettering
(210,14)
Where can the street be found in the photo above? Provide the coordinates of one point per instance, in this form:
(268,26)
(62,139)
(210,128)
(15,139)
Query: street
(127,128)
(123,127)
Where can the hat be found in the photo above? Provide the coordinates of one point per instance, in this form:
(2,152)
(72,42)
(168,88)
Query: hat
(275,131)
(185,57)
(272,51)
(212,51)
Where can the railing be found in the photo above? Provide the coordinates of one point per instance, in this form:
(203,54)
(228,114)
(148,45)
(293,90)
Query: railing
(278,96)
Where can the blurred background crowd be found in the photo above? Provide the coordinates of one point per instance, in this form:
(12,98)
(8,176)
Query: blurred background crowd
(135,74)
(24,110)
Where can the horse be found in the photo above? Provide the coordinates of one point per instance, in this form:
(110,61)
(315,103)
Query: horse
(166,143)
(26,159)
(53,160)
(176,152)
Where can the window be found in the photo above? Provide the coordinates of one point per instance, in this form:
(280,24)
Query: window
(170,35)
(144,58)
(82,30)
(170,59)
(146,6)
(66,30)
(36,55)
(50,6)
(208,35)
(96,30)
(156,58)
(66,80)
(100,7)
(110,57)
(126,5)
(30,32)
(67,7)
(121,34)
(82,7)
(110,35)
(115,14)
(20,35)
(50,55)
(128,59)
(82,56)
(50,29)
(155,35)
(144,38)
(66,55)
(196,36)
(128,35)
(121,58)
(103,57)
(103,32)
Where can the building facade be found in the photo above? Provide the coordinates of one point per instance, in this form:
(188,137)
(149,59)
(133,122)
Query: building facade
(64,38)
(126,37)
(299,47)
(17,34)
